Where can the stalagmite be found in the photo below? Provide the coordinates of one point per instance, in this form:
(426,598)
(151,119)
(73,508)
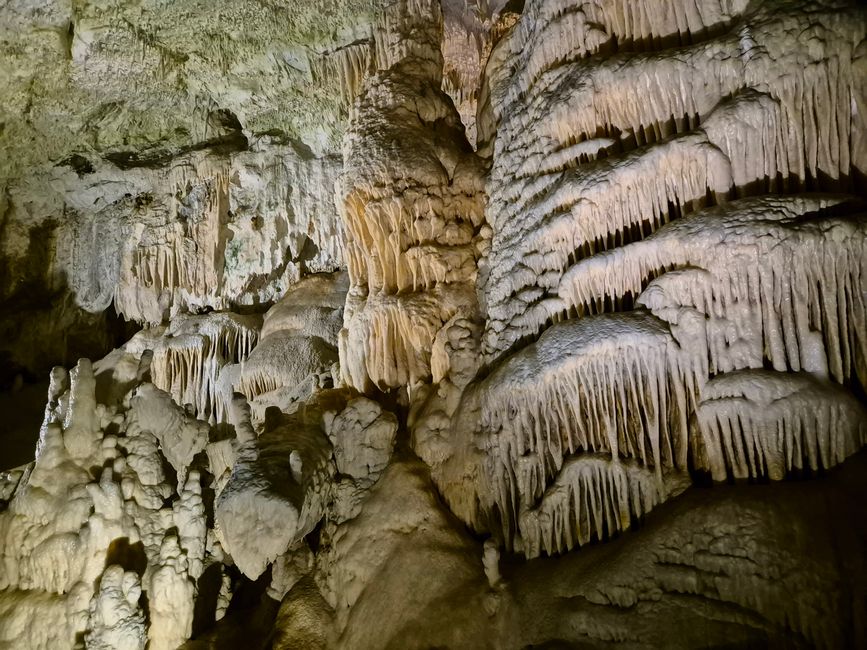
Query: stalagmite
(437,323)
(117,621)
(96,496)
(189,517)
(170,598)
(279,487)
(81,423)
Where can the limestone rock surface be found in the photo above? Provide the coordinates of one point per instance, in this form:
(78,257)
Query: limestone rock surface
(433,323)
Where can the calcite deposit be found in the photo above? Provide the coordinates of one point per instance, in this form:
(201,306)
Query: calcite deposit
(433,323)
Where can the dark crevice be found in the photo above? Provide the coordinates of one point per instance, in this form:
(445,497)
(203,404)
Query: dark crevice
(232,140)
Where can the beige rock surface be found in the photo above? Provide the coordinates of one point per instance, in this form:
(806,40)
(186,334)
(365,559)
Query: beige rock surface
(434,324)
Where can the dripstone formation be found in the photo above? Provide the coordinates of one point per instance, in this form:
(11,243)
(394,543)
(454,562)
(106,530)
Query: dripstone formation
(427,323)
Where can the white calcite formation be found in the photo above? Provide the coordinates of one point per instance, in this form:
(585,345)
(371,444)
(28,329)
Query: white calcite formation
(170,597)
(363,439)
(201,235)
(189,355)
(176,158)
(778,251)
(610,153)
(206,232)
(96,496)
(601,494)
(411,203)
(298,347)
(179,434)
(446,306)
(470,30)
(615,385)
(116,618)
(756,423)
(278,488)
(288,479)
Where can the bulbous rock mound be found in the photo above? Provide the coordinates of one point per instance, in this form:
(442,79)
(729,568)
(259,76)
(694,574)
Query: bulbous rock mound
(435,324)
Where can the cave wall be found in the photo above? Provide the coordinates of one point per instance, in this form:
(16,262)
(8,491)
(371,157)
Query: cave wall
(160,159)
(461,324)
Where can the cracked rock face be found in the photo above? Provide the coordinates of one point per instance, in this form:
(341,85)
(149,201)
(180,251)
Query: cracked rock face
(434,323)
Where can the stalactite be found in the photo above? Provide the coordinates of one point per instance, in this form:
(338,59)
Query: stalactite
(189,355)
(778,252)
(596,384)
(757,423)
(349,65)
(186,255)
(745,131)
(618,136)
(411,206)
(639,278)
(615,385)
(594,497)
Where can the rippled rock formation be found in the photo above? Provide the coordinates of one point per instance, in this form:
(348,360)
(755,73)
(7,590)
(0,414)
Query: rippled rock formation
(434,324)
